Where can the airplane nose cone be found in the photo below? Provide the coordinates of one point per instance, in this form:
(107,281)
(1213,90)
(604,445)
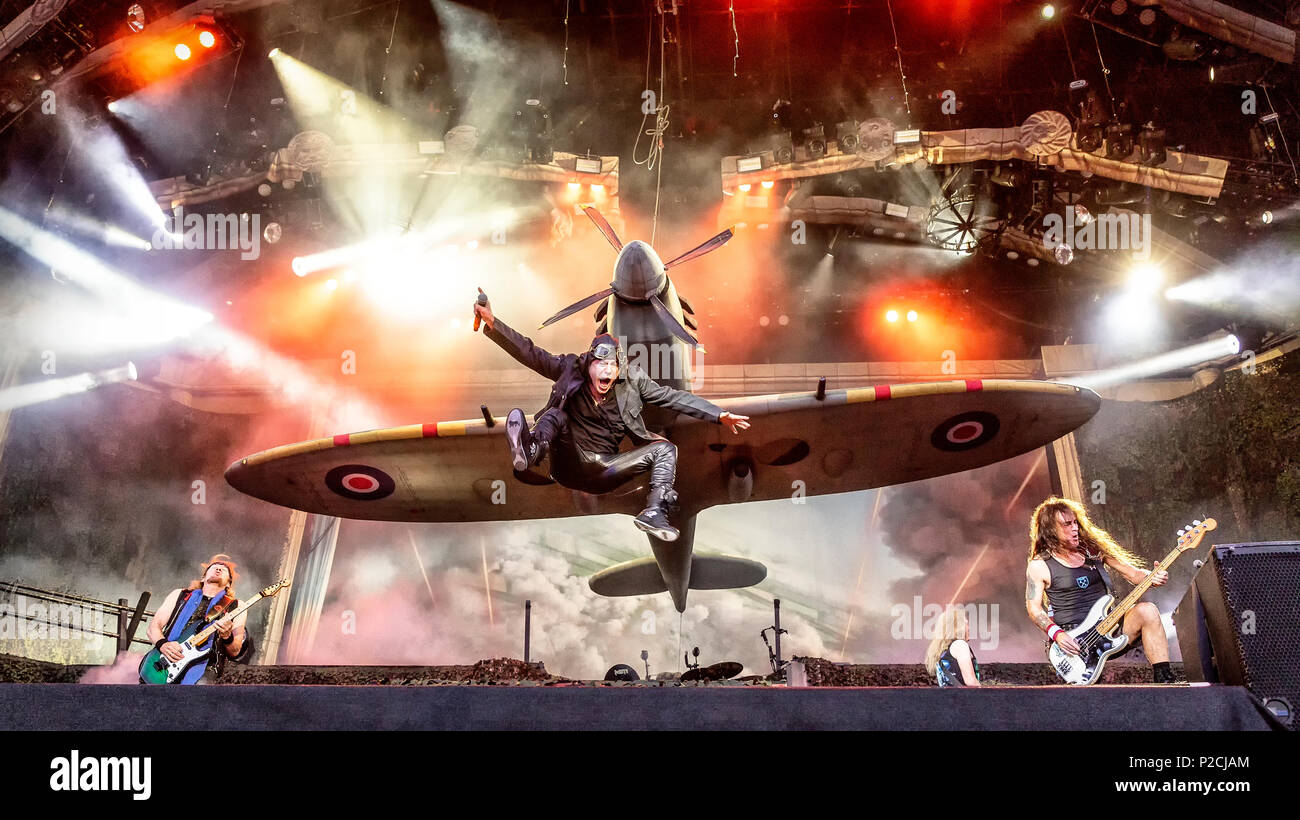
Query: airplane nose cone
(639,272)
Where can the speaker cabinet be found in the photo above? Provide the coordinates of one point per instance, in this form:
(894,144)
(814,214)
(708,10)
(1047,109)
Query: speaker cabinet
(1240,623)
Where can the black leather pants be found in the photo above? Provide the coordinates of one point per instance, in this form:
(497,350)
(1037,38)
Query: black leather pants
(595,473)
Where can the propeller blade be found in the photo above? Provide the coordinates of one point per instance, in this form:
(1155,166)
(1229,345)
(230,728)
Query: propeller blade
(673,325)
(577,306)
(703,248)
(603,226)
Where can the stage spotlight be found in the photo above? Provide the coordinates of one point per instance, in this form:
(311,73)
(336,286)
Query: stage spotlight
(846,136)
(207,39)
(1081,215)
(182,51)
(113,107)
(1145,278)
(575,186)
(815,141)
(891,316)
(1119,140)
(782,148)
(1147,17)
(471,245)
(1266,217)
(1152,144)
(331,284)
(272,232)
(135,19)
(598,189)
(912,316)
(275,52)
(768,183)
(745,187)
(1063,254)
(1118,7)
(1049,11)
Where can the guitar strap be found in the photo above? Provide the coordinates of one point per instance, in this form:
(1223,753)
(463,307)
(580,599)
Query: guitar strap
(185,611)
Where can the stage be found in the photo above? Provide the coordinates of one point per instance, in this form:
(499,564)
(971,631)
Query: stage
(636,706)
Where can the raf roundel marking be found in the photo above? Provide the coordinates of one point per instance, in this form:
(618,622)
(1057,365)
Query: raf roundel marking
(965,432)
(359,482)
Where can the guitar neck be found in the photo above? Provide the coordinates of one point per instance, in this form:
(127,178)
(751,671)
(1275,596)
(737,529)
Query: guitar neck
(200,637)
(1108,623)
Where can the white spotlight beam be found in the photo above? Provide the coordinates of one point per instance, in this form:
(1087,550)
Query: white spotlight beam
(409,245)
(24,395)
(1180,359)
(158,318)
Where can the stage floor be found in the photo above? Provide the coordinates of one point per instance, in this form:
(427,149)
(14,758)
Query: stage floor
(58,706)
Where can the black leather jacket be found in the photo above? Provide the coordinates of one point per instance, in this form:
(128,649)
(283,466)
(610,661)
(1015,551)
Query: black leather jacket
(633,389)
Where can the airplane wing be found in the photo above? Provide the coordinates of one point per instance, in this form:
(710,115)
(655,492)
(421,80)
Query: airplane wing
(851,440)
(869,437)
(441,471)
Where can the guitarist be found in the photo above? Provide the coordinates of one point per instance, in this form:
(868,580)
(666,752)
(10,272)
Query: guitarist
(204,600)
(1068,556)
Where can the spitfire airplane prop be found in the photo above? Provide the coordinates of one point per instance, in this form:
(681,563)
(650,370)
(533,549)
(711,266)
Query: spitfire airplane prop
(815,442)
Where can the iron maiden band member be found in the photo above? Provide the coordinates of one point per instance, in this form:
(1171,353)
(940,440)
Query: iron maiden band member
(949,657)
(1067,555)
(206,598)
(596,401)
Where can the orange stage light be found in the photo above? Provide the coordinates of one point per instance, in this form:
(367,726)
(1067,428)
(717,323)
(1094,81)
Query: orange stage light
(912,316)
(745,186)
(891,316)
(768,183)
(181,51)
(207,39)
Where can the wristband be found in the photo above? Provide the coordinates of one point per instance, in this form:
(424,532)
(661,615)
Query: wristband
(159,644)
(1051,636)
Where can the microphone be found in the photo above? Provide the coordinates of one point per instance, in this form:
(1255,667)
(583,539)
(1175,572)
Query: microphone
(482,300)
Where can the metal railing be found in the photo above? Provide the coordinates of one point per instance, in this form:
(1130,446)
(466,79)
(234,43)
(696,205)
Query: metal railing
(128,617)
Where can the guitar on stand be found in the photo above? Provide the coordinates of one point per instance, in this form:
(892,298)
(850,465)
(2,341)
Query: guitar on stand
(155,668)
(1099,636)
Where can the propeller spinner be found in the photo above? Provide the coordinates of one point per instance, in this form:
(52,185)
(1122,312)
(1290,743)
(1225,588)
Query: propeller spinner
(640,275)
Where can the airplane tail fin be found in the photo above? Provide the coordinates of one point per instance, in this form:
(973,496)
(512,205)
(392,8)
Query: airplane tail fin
(642,576)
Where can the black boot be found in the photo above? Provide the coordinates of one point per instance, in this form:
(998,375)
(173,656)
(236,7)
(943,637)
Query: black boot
(654,518)
(1162,673)
(524,449)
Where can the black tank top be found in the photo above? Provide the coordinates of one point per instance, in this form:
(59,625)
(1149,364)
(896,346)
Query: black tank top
(948,673)
(1074,590)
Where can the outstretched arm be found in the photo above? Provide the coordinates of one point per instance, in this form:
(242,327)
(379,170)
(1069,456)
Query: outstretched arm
(691,405)
(516,344)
